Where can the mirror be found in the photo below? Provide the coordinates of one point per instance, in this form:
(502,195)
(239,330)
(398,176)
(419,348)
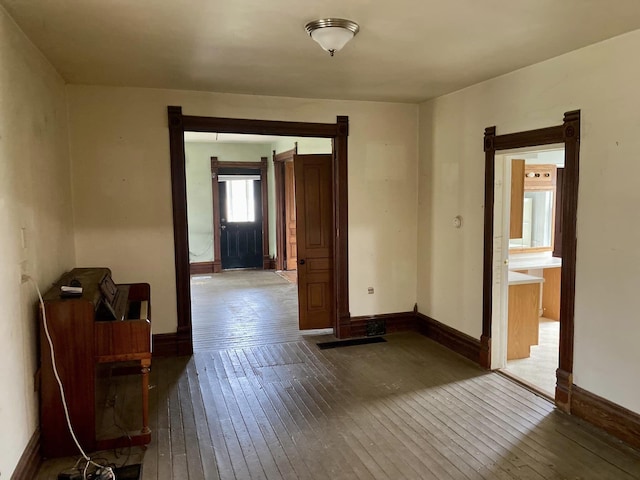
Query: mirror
(533,200)
(537,220)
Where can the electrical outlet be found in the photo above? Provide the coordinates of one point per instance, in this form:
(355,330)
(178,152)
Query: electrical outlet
(24,271)
(370,290)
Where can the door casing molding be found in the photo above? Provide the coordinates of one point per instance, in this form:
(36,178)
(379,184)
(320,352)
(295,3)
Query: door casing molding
(279,159)
(568,134)
(338,132)
(215,197)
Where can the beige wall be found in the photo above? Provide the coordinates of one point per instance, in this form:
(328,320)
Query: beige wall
(120,147)
(199,202)
(35,195)
(602,82)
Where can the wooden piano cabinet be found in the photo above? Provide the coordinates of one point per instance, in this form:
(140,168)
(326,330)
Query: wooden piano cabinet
(72,338)
(81,344)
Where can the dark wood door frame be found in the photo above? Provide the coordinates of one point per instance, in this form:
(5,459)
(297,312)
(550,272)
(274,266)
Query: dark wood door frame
(568,134)
(338,132)
(279,160)
(215,194)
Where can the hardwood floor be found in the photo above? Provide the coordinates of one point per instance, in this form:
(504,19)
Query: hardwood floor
(244,307)
(404,409)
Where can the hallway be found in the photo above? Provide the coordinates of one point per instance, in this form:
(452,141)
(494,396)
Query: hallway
(241,308)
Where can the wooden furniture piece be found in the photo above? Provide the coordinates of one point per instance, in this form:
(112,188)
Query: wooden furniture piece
(517,198)
(524,302)
(551,293)
(107,323)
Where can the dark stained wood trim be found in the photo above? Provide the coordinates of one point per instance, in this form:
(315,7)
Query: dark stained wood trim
(279,160)
(571,138)
(564,385)
(459,342)
(530,138)
(338,132)
(216,164)
(264,190)
(164,344)
(278,174)
(394,322)
(618,421)
(215,195)
(341,226)
(180,226)
(245,165)
(259,127)
(201,268)
(568,134)
(30,459)
(487,283)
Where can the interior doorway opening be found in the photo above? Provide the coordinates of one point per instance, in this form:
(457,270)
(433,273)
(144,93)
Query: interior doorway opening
(330,206)
(493,341)
(528,213)
(231,228)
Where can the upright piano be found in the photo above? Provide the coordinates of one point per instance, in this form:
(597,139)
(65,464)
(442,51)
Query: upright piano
(104,324)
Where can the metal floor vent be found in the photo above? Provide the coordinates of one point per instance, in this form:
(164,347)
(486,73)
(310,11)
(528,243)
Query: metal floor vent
(350,342)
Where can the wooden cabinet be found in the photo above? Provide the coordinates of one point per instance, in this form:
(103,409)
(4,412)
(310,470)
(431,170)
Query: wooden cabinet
(551,293)
(524,304)
(517,198)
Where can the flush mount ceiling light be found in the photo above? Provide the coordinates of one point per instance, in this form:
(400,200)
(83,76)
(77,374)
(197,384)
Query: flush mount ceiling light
(332,33)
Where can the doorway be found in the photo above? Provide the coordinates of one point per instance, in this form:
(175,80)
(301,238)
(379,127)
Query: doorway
(495,278)
(529,199)
(337,260)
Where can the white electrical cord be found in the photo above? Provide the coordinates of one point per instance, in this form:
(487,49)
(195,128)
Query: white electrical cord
(109,470)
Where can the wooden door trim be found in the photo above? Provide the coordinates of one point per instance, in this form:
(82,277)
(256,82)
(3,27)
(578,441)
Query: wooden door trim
(216,164)
(568,134)
(279,160)
(338,132)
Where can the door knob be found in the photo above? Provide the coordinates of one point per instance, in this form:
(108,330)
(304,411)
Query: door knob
(301,262)
(223,227)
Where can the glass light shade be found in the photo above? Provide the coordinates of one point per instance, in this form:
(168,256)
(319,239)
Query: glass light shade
(332,39)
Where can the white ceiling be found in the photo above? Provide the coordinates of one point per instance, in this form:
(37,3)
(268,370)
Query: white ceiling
(407,50)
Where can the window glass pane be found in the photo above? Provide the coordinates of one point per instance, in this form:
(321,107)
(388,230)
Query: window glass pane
(240,201)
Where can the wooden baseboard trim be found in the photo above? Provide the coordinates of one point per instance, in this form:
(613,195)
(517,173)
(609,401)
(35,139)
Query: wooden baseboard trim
(564,390)
(30,460)
(201,268)
(171,344)
(165,345)
(614,419)
(451,338)
(392,322)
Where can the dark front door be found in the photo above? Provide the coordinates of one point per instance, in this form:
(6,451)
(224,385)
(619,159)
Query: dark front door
(240,222)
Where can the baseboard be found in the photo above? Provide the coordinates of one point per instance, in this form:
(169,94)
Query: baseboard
(392,322)
(451,338)
(614,419)
(564,390)
(165,344)
(30,460)
(200,268)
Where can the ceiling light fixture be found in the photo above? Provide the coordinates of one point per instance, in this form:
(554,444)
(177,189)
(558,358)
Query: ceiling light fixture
(332,33)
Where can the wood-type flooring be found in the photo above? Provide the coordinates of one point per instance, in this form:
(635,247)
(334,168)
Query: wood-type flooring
(405,409)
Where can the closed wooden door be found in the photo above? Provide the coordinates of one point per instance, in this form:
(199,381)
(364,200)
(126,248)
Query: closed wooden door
(290,217)
(315,241)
